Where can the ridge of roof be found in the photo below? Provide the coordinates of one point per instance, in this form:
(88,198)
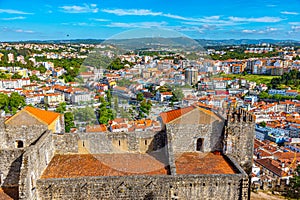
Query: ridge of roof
(46,116)
(174,114)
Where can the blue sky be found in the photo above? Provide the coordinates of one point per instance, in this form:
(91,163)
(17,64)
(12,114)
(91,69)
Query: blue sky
(221,19)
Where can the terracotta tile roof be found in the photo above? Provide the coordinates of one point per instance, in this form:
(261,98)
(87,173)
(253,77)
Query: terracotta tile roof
(46,116)
(96,128)
(286,156)
(125,164)
(166,93)
(197,116)
(173,114)
(202,163)
(270,165)
(263,153)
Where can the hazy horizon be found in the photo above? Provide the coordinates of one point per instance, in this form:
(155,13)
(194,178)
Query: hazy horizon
(222,20)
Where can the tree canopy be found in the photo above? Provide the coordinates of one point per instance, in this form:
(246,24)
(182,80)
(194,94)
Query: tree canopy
(294,185)
(69,121)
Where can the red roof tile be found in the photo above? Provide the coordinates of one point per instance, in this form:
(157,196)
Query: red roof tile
(125,164)
(202,163)
(173,114)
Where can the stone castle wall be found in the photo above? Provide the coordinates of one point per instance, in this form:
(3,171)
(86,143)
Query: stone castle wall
(184,136)
(107,142)
(10,134)
(26,168)
(10,164)
(188,187)
(34,161)
(239,138)
(65,143)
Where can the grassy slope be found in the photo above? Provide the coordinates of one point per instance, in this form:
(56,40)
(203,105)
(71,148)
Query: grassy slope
(252,77)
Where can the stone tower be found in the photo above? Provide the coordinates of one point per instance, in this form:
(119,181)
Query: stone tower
(239,137)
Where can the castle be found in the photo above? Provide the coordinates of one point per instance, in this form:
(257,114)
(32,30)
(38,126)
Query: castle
(198,154)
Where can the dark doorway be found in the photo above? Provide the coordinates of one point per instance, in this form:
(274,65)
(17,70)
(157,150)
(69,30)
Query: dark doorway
(19,144)
(199,145)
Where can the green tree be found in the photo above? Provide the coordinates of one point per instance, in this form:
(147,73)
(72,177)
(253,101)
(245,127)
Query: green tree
(139,97)
(108,97)
(263,95)
(263,124)
(105,112)
(16,76)
(144,109)
(3,75)
(69,121)
(278,97)
(116,104)
(16,100)
(177,94)
(61,108)
(86,114)
(293,190)
(4,100)
(34,78)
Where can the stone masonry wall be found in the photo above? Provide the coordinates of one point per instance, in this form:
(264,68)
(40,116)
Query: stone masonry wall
(188,187)
(239,138)
(27,134)
(107,142)
(35,160)
(65,143)
(184,136)
(10,164)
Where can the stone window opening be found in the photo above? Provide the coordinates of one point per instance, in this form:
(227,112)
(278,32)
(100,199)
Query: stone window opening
(119,143)
(1,178)
(146,142)
(19,144)
(83,143)
(199,144)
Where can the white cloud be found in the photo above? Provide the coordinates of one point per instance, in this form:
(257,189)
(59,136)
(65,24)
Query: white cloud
(13,18)
(77,24)
(265,19)
(270,29)
(145,12)
(294,23)
(141,12)
(24,31)
(99,19)
(9,11)
(86,8)
(262,31)
(249,31)
(289,13)
(295,28)
(137,24)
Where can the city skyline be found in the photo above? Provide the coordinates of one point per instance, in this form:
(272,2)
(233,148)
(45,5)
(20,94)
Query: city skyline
(51,20)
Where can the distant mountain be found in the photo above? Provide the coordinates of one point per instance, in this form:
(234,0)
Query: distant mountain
(204,42)
(172,42)
(73,41)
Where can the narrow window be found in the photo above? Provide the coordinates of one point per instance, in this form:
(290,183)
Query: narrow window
(199,145)
(119,143)
(146,142)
